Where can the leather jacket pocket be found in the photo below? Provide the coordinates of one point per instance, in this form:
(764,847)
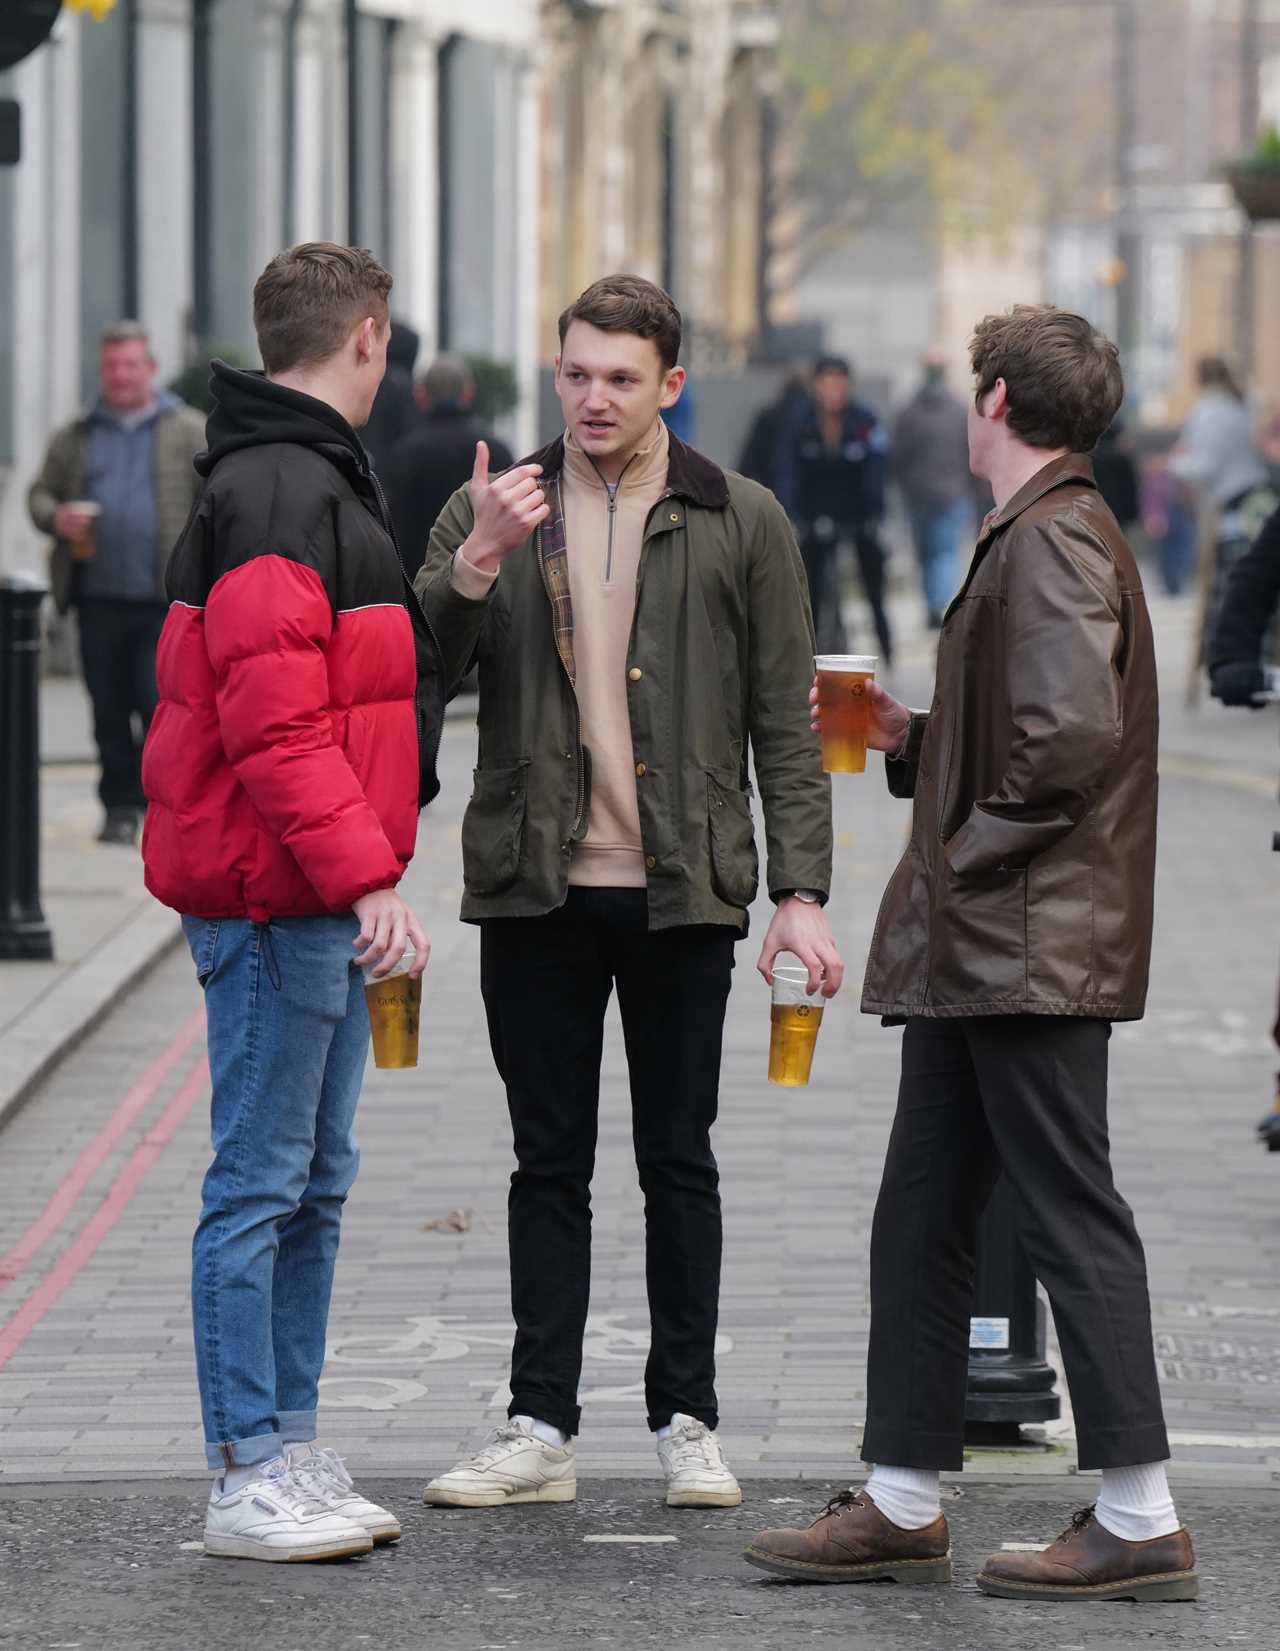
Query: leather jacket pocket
(493,828)
(735,865)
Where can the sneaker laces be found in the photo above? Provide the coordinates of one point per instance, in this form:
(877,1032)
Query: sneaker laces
(291,1489)
(695,1445)
(324,1467)
(495,1446)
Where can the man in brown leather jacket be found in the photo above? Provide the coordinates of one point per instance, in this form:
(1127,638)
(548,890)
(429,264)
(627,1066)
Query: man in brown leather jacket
(1016,929)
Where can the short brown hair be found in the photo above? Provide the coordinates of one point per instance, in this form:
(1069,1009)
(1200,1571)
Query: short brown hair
(309,298)
(629,303)
(1062,375)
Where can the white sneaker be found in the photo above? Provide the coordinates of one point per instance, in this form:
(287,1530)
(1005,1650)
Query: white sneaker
(514,1466)
(697,1474)
(324,1474)
(274,1517)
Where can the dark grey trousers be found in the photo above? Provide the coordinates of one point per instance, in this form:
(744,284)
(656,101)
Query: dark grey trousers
(1026,1094)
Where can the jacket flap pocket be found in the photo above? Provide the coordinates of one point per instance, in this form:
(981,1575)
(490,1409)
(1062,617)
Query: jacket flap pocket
(493,827)
(735,865)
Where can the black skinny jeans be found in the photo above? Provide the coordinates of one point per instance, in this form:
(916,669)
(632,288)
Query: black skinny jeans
(546,983)
(118,657)
(1026,1094)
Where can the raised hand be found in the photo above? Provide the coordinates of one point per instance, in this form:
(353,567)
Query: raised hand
(507,509)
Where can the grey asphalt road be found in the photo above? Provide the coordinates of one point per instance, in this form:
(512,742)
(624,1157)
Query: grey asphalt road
(106,1569)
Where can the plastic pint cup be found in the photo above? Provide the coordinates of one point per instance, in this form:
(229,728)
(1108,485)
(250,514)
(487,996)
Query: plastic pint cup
(84,547)
(794,1020)
(842,700)
(395,1003)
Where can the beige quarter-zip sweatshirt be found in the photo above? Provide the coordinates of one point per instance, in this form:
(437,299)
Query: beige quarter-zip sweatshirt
(604,534)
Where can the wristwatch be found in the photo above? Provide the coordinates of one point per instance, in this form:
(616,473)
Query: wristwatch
(810,896)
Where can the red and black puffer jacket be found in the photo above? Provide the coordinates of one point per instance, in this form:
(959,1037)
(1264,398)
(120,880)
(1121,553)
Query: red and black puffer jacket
(300,705)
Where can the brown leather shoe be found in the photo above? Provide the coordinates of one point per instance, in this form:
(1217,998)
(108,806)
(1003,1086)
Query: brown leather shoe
(852,1541)
(1088,1562)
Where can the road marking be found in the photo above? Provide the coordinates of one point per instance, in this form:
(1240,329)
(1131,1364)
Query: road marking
(96,1153)
(114,1203)
(631,1539)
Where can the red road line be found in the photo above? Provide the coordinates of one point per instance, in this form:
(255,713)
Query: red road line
(96,1153)
(114,1203)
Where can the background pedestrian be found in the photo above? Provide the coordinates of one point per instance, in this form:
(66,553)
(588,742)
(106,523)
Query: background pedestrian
(115,490)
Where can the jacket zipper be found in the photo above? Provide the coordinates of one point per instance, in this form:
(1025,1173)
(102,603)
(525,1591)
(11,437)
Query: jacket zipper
(612,491)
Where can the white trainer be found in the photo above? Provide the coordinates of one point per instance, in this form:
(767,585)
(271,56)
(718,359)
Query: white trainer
(274,1517)
(697,1474)
(513,1466)
(324,1474)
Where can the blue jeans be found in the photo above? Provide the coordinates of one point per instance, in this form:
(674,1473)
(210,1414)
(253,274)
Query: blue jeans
(288,1037)
(939,534)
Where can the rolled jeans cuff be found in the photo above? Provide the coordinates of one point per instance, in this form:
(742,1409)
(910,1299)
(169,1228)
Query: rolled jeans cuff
(243,1453)
(297,1427)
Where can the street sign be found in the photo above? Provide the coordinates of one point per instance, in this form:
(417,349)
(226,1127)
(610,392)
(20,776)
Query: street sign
(24,25)
(10,131)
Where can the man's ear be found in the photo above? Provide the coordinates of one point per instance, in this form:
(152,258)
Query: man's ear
(557,375)
(672,385)
(998,401)
(365,335)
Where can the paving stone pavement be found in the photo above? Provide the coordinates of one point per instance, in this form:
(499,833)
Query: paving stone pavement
(96,1377)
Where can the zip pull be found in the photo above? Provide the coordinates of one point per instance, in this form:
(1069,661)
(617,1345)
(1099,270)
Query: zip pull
(611,488)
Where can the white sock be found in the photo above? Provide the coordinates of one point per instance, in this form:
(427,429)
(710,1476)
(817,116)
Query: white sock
(908,1497)
(1135,1504)
(299,1447)
(664,1432)
(544,1431)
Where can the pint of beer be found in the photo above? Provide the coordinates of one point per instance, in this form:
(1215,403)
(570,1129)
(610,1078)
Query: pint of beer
(84,547)
(394,1002)
(842,700)
(794,1020)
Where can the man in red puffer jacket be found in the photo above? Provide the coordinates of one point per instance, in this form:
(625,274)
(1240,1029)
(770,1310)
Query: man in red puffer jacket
(296,736)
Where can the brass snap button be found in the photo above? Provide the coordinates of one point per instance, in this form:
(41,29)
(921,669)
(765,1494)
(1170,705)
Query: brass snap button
(650,861)
(640,770)
(675,515)
(634,674)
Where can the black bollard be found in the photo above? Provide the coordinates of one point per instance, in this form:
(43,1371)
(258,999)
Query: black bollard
(23,930)
(1009,1381)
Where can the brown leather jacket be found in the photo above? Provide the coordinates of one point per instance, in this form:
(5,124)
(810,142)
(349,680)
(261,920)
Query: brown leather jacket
(1027,884)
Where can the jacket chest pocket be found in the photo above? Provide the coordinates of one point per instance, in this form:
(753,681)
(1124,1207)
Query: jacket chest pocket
(735,865)
(493,828)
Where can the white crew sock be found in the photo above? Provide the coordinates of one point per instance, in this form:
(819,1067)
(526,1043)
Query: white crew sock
(1135,1504)
(544,1431)
(664,1432)
(908,1497)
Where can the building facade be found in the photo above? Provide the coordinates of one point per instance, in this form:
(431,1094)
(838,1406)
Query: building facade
(172,147)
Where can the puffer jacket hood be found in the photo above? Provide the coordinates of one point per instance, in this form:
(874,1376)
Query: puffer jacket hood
(249,410)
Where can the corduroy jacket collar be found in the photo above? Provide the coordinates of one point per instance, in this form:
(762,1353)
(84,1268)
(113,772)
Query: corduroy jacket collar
(690,474)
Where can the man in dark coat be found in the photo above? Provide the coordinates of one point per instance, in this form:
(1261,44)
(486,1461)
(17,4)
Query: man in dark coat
(433,460)
(1239,676)
(395,412)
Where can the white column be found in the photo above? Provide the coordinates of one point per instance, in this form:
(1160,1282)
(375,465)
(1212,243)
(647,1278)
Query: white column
(415,185)
(164,176)
(44,340)
(529,348)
